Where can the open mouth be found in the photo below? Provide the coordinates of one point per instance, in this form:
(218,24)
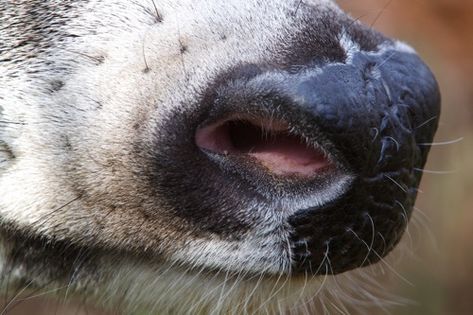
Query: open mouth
(268,142)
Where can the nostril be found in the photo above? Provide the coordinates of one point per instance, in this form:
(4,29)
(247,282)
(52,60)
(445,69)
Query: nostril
(266,142)
(215,138)
(258,137)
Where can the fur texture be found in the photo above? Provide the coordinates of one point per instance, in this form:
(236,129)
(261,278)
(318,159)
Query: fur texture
(99,101)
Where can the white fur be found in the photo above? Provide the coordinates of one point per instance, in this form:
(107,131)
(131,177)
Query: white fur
(36,191)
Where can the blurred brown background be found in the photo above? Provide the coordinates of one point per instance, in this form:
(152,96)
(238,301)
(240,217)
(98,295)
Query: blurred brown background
(441,265)
(437,253)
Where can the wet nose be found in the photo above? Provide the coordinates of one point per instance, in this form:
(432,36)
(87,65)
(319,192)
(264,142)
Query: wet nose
(379,111)
(366,117)
(367,111)
(372,108)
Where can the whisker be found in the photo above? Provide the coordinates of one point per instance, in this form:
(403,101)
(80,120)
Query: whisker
(395,182)
(423,221)
(382,260)
(436,172)
(385,61)
(248,297)
(44,218)
(43,293)
(97,60)
(405,216)
(222,290)
(373,231)
(159,18)
(422,212)
(143,52)
(426,122)
(442,143)
(271,294)
(297,8)
(381,12)
(6,308)
(322,285)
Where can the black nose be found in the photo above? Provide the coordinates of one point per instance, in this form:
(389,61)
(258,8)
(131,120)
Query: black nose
(369,117)
(379,112)
(330,151)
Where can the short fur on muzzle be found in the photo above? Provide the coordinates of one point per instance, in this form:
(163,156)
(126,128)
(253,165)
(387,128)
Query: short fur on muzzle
(147,147)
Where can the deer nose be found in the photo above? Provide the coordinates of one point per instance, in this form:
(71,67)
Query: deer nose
(365,117)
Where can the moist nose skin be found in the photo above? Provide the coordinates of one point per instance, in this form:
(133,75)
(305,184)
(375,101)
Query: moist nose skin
(366,117)
(374,111)
(329,153)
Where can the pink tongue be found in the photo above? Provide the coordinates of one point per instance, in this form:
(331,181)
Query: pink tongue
(289,157)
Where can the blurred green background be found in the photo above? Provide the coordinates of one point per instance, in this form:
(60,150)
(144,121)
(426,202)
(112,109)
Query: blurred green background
(437,256)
